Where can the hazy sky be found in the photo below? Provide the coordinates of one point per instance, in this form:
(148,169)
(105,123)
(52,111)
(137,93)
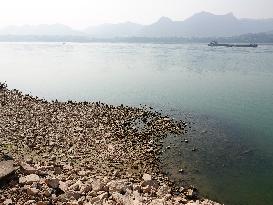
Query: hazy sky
(82,13)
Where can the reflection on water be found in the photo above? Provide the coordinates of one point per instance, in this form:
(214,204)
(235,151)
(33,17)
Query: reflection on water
(231,84)
(223,166)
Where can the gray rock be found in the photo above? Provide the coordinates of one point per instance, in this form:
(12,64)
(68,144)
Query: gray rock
(6,168)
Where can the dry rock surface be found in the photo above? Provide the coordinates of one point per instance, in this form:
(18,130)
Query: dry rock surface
(83,153)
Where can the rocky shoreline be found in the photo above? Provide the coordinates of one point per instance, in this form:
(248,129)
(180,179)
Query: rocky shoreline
(84,153)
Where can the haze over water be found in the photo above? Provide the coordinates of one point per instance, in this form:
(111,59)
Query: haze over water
(227,90)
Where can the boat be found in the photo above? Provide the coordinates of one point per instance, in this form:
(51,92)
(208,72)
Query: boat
(215,43)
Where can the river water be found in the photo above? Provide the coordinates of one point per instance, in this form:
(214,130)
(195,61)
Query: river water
(225,95)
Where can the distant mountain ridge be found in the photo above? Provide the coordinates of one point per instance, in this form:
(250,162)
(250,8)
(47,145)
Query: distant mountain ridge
(205,24)
(200,25)
(126,29)
(42,29)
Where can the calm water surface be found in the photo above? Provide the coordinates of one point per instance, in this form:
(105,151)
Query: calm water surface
(226,95)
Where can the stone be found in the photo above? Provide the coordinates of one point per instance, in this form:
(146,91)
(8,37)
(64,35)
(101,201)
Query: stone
(119,186)
(157,202)
(57,170)
(7,202)
(180,199)
(32,191)
(163,190)
(29,179)
(76,186)
(41,203)
(153,184)
(168,197)
(103,196)
(147,189)
(73,194)
(29,202)
(63,186)
(82,173)
(147,177)
(118,198)
(27,169)
(6,168)
(52,183)
(191,193)
(108,202)
(93,193)
(85,188)
(97,185)
(94,200)
(137,187)
(48,192)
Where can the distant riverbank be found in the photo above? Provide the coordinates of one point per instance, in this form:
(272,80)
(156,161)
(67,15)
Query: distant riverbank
(260,38)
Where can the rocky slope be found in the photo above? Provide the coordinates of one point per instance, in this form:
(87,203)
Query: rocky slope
(83,153)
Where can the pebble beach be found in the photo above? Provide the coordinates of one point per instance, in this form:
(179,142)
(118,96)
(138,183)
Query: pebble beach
(85,153)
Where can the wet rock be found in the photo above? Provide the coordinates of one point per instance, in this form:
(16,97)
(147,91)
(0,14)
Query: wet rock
(191,193)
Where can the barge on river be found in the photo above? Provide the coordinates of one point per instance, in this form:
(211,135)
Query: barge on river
(215,43)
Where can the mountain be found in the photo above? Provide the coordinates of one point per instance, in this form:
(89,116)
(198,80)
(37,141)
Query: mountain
(163,27)
(114,30)
(200,25)
(206,24)
(40,30)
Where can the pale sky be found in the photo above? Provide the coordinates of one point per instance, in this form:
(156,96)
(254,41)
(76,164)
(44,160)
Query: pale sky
(83,13)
